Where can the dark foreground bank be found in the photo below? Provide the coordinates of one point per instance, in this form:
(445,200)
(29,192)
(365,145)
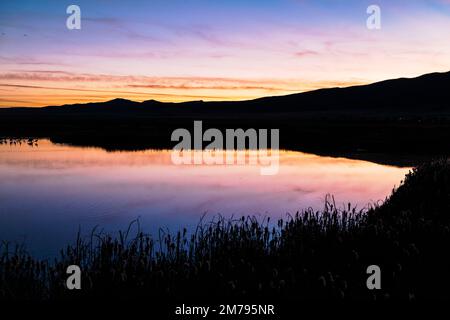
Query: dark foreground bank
(314,255)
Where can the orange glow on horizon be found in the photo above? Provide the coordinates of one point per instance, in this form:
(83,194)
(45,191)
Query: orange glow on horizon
(175,53)
(45,92)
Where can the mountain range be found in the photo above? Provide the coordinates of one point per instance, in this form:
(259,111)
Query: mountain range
(399,116)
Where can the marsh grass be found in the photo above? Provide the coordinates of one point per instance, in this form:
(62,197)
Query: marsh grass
(32,142)
(310,255)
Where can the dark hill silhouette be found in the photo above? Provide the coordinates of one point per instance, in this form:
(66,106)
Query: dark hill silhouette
(427,93)
(392,116)
(421,93)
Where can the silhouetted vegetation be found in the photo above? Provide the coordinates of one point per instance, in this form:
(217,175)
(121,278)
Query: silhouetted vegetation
(312,255)
(32,142)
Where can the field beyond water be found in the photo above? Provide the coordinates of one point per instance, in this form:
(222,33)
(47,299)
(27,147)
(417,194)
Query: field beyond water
(313,255)
(408,119)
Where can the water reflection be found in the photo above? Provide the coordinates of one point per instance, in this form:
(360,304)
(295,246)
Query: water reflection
(48,192)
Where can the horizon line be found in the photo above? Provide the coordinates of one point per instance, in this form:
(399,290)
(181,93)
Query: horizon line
(206,97)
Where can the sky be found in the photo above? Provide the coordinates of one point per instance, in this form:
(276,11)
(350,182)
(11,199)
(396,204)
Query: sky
(181,50)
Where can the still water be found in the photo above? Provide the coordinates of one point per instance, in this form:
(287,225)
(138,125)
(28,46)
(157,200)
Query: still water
(49,192)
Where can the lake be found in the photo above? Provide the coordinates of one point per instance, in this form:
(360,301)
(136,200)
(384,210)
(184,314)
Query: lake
(50,191)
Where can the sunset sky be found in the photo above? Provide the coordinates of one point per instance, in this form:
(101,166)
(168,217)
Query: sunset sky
(178,50)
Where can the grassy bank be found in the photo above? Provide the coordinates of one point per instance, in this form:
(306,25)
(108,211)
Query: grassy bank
(313,255)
